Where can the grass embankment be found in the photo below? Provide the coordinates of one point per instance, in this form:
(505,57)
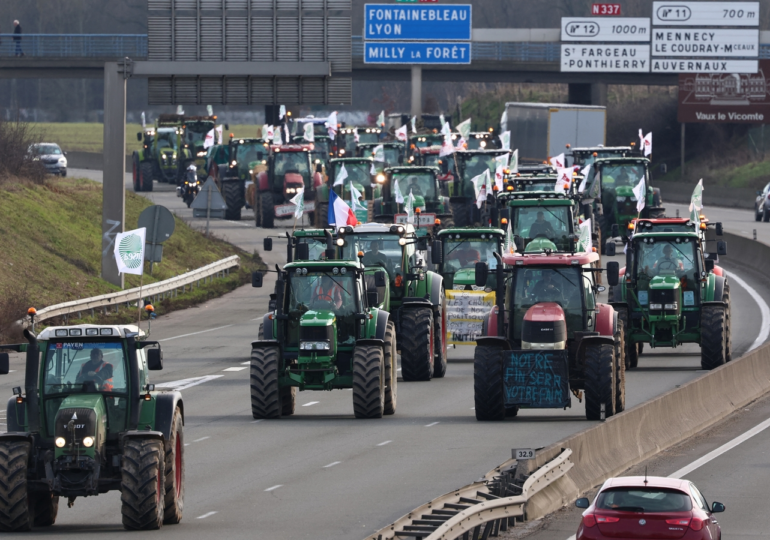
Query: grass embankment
(751,175)
(52,250)
(88,137)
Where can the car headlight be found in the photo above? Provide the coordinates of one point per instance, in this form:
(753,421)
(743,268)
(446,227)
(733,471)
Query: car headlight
(656,306)
(621,199)
(673,306)
(60,442)
(88,442)
(62,160)
(314,346)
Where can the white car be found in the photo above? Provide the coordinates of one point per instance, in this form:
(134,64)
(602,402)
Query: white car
(51,155)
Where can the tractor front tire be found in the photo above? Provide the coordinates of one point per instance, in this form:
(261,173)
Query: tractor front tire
(234,200)
(288,400)
(631,352)
(174,468)
(142,487)
(439,338)
(599,380)
(322,216)
(368,382)
(265,393)
(16,514)
(391,371)
(488,391)
(713,326)
(416,344)
(461,214)
(145,174)
(728,325)
(266,210)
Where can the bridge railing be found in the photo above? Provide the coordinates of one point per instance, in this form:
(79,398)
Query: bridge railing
(75,45)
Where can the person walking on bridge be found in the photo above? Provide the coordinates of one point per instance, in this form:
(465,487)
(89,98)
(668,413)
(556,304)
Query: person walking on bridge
(17,37)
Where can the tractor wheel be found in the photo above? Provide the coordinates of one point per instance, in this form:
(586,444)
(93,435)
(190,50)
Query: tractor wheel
(174,469)
(265,393)
(322,216)
(757,214)
(713,326)
(461,214)
(599,380)
(266,210)
(439,338)
(631,354)
(488,392)
(142,487)
(640,348)
(368,382)
(416,344)
(728,325)
(765,213)
(46,509)
(136,173)
(16,513)
(288,400)
(145,172)
(234,200)
(391,371)
(621,350)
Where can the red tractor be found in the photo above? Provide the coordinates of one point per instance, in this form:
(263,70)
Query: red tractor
(548,337)
(289,171)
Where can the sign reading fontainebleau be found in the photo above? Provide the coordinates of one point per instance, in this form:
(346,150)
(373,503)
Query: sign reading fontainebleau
(447,22)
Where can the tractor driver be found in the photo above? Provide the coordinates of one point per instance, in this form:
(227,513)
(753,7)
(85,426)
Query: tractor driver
(541,227)
(374,257)
(328,291)
(96,370)
(414,186)
(548,290)
(668,262)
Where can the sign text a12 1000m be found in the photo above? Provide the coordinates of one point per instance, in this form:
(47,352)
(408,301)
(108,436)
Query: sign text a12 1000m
(598,58)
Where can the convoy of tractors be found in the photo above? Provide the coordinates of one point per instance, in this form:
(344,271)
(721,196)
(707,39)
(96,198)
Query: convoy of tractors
(510,264)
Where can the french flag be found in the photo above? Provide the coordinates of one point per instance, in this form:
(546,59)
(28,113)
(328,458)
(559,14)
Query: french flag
(340,213)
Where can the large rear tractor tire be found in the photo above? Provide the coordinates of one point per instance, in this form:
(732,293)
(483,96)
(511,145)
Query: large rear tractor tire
(368,382)
(488,391)
(234,199)
(142,488)
(713,330)
(461,214)
(416,344)
(599,380)
(265,394)
(16,513)
(391,369)
(322,216)
(439,338)
(174,468)
(266,210)
(621,350)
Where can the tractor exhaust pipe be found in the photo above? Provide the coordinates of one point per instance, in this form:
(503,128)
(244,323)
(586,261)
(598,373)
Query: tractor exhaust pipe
(30,382)
(500,296)
(289,248)
(330,251)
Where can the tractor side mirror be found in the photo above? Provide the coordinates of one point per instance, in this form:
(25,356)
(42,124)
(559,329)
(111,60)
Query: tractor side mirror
(609,248)
(437,252)
(5,363)
(613,273)
(256,279)
(482,274)
(380,279)
(718,227)
(267,244)
(154,359)
(227,127)
(614,231)
(303,251)
(422,244)
(505,213)
(709,265)
(319,168)
(721,247)
(371,298)
(582,502)
(519,243)
(139,137)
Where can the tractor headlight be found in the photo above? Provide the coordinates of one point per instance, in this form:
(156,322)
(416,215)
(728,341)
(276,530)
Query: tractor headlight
(173,156)
(340,242)
(88,442)
(201,154)
(233,163)
(380,178)
(673,306)
(402,241)
(60,442)
(314,346)
(621,199)
(656,306)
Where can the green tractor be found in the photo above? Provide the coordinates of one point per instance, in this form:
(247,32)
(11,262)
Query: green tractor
(670,293)
(394,154)
(89,422)
(234,165)
(587,155)
(160,156)
(325,332)
(468,165)
(348,139)
(359,173)
(193,135)
(143,169)
(415,297)
(420,141)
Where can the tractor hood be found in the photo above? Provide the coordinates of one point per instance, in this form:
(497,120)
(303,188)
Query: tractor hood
(317,335)
(293,180)
(465,276)
(664,283)
(624,191)
(80,416)
(317,318)
(540,244)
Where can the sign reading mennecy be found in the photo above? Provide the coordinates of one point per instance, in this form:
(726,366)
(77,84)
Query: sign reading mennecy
(417,22)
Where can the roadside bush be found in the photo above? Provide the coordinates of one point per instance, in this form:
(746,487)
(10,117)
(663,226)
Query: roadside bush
(15,162)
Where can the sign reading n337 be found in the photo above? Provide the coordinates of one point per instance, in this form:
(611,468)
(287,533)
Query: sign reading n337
(705,13)
(447,22)
(622,29)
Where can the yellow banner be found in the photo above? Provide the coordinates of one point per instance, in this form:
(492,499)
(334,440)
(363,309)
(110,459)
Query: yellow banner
(466,311)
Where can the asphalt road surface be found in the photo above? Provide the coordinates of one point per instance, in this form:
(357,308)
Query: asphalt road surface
(321,473)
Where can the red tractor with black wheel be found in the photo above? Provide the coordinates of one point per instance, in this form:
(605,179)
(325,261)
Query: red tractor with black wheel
(548,337)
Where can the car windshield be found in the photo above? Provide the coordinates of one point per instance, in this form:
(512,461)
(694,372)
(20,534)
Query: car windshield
(47,149)
(476,164)
(465,252)
(666,257)
(85,367)
(358,171)
(551,222)
(640,499)
(195,132)
(321,291)
(563,285)
(166,139)
(251,153)
(379,250)
(292,162)
(627,174)
(422,183)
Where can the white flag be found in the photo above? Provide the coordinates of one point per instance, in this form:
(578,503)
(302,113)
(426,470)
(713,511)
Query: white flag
(372,169)
(465,129)
(281,112)
(504,121)
(639,192)
(355,198)
(585,235)
(267,132)
(309,134)
(480,181)
(381,119)
(179,109)
(414,125)
(129,251)
(210,110)
(445,129)
(585,172)
(500,163)
(514,164)
(379,153)
(505,140)
(647,144)
(356,136)
(409,207)
(299,200)
(331,124)
(341,176)
(401,133)
(208,142)
(288,135)
(461,144)
(482,197)
(277,137)
(144,123)
(441,119)
(563,180)
(557,162)
(220,137)
(510,244)
(398,194)
(447,148)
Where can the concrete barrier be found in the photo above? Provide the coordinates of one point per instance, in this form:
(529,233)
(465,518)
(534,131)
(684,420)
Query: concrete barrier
(90,160)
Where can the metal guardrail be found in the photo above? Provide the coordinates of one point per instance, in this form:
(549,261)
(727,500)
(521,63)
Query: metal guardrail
(76,45)
(484,507)
(157,290)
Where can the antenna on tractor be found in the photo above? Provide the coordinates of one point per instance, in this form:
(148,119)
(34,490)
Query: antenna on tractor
(645,476)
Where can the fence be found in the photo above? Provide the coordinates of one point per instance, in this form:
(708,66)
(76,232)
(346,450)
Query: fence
(75,45)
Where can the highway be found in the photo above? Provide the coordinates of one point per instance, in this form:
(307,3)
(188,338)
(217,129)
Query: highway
(321,473)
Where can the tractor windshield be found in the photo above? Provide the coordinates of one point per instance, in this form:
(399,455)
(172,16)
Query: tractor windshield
(321,148)
(562,285)
(292,162)
(251,154)
(425,141)
(166,139)
(422,183)
(666,257)
(366,138)
(463,252)
(358,172)
(475,164)
(627,174)
(195,132)
(392,155)
(321,291)
(536,184)
(74,367)
(379,250)
(551,222)
(430,160)
(478,143)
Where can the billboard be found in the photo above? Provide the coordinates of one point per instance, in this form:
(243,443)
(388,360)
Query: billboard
(726,98)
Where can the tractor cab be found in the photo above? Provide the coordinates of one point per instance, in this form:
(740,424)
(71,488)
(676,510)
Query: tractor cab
(482,140)
(461,249)
(468,165)
(348,139)
(167,152)
(248,157)
(321,149)
(587,155)
(421,141)
(422,183)
(356,173)
(193,135)
(393,154)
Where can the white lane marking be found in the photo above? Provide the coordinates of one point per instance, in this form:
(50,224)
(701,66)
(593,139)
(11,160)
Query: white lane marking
(207,514)
(196,333)
(311,403)
(384,443)
(187,383)
(274,487)
(721,450)
(399,369)
(234,369)
(764,309)
(430,425)
(256,421)
(246,363)
(332,464)
(202,439)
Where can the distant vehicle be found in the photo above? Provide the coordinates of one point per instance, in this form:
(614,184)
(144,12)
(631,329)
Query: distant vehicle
(52,157)
(649,507)
(762,205)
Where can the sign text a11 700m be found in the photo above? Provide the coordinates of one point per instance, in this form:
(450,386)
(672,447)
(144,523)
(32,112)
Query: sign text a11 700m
(448,22)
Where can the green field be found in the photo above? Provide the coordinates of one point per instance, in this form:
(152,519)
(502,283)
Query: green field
(88,137)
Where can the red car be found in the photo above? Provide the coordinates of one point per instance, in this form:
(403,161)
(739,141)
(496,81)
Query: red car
(649,508)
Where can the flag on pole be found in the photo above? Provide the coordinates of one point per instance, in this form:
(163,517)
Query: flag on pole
(355,197)
(129,251)
(585,172)
(281,112)
(381,119)
(399,195)
(277,137)
(500,163)
(461,144)
(510,244)
(409,207)
(640,192)
(372,169)
(210,110)
(288,135)
(504,120)
(299,200)
(479,181)
(647,144)
(585,235)
(267,132)
(641,140)
(379,153)
(513,166)
(414,125)
(445,129)
(696,203)
(220,136)
(558,161)
(308,133)
(441,119)
(341,176)
(340,213)
(179,109)
(356,136)
(144,122)
(331,124)
(505,140)
(208,142)
(447,147)
(465,129)
(402,133)
(563,180)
